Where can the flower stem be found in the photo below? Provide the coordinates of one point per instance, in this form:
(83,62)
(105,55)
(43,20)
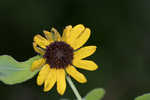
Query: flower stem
(74,88)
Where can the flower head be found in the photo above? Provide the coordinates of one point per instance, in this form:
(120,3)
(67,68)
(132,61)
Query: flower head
(61,56)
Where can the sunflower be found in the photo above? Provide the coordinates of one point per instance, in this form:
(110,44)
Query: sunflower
(60,56)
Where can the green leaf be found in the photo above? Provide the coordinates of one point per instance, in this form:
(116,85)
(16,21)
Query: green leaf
(96,94)
(143,97)
(13,72)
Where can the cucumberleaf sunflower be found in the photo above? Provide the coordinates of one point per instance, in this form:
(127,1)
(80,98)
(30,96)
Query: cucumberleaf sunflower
(62,55)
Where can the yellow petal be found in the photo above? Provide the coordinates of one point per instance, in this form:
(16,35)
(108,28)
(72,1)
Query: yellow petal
(82,39)
(66,32)
(48,35)
(84,52)
(57,36)
(85,64)
(50,80)
(37,64)
(37,49)
(43,74)
(61,81)
(41,41)
(74,33)
(76,75)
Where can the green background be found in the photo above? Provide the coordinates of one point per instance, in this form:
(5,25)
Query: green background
(119,27)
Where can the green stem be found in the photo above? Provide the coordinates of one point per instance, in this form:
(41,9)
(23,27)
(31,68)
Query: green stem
(74,88)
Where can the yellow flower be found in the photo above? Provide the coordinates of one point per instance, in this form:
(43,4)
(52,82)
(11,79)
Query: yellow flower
(62,55)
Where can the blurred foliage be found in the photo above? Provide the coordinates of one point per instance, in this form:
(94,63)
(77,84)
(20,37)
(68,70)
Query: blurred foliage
(95,94)
(143,97)
(14,72)
(122,24)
